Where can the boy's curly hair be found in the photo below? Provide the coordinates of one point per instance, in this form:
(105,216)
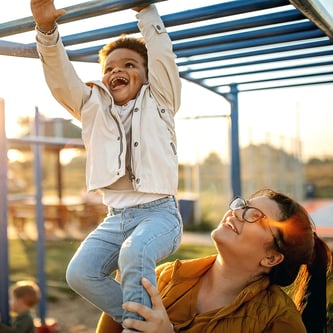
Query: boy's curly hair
(131,43)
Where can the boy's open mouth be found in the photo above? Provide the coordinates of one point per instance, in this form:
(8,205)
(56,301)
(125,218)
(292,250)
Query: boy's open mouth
(119,81)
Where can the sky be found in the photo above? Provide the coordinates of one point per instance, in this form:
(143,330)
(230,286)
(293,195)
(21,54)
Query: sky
(279,116)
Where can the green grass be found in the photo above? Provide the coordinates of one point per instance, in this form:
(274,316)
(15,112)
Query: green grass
(23,258)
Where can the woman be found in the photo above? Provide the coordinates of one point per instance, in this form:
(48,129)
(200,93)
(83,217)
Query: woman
(262,244)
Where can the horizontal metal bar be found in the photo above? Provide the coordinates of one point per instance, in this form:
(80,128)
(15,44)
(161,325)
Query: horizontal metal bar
(17,49)
(258,52)
(318,12)
(236,46)
(280,78)
(236,25)
(204,30)
(288,85)
(74,13)
(100,34)
(267,70)
(313,55)
(249,36)
(216,90)
(221,10)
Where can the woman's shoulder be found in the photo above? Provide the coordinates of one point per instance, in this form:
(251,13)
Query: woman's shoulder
(276,310)
(268,298)
(279,303)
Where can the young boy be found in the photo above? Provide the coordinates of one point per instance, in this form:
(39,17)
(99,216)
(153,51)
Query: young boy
(24,295)
(129,133)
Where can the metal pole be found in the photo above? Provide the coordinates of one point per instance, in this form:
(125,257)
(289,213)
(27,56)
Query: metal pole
(4,261)
(235,151)
(41,276)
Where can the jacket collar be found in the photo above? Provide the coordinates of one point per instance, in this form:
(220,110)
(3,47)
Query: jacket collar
(192,270)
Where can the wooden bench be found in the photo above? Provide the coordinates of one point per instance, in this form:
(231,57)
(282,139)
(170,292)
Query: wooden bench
(55,215)
(20,214)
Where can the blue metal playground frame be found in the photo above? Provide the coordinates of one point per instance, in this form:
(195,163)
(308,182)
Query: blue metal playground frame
(228,48)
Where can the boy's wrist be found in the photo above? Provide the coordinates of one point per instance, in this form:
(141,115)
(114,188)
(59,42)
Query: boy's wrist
(47,32)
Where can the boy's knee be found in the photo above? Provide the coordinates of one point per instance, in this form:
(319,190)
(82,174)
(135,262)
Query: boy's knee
(128,254)
(75,276)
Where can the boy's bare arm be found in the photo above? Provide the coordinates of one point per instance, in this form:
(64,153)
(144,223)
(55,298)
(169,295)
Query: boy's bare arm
(45,14)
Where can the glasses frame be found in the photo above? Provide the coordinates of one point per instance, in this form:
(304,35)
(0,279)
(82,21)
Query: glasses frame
(245,207)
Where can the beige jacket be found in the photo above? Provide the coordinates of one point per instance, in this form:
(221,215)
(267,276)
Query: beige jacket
(154,154)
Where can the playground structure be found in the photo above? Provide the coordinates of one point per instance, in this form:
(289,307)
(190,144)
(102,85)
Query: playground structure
(262,38)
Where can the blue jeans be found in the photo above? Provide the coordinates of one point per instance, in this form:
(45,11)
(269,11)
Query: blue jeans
(132,239)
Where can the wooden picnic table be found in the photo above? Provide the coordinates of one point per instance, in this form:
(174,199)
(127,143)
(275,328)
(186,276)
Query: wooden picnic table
(57,214)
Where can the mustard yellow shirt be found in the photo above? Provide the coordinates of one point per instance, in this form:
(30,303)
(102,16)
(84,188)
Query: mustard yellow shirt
(259,308)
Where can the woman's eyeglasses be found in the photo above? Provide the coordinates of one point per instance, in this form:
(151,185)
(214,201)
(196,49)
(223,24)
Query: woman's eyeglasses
(246,213)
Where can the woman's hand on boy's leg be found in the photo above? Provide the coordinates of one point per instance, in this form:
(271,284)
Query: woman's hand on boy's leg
(156,318)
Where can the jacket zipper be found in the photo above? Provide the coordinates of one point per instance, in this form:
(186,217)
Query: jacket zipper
(120,135)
